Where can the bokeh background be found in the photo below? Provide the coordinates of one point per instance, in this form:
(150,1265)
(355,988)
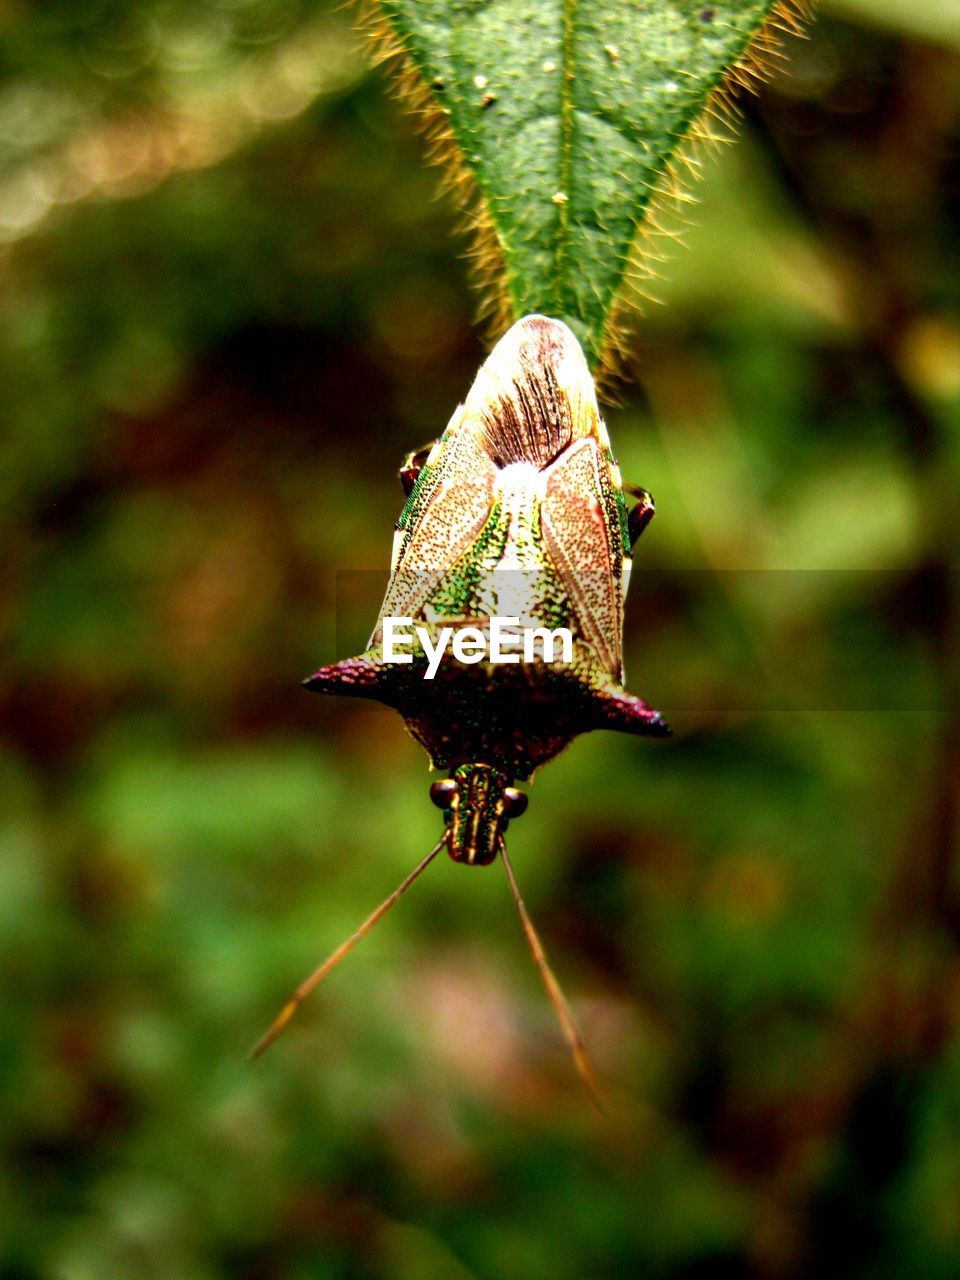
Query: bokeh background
(229,302)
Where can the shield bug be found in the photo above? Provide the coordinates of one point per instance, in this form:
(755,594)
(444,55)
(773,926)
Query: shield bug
(517,511)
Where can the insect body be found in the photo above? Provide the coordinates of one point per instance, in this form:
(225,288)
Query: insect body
(517,511)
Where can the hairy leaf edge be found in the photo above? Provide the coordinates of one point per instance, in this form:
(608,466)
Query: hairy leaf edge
(486,266)
(711,126)
(663,221)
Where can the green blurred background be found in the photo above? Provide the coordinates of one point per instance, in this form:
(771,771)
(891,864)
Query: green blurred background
(229,303)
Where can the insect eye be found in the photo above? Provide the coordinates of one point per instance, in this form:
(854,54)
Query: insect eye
(515,802)
(441,793)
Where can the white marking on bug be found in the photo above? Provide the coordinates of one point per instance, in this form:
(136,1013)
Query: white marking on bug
(560,197)
(480,81)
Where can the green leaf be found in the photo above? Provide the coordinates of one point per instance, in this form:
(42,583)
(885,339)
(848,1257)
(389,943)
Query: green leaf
(568,115)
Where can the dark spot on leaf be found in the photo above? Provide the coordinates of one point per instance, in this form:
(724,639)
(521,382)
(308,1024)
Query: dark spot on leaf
(707,15)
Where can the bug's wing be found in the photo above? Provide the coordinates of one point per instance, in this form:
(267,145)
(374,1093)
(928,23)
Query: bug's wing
(578,533)
(445,519)
(533,396)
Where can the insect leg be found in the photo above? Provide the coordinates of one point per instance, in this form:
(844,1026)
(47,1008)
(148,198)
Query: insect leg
(412,465)
(640,514)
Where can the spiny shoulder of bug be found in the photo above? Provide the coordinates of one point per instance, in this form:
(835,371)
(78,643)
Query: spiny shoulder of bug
(532,410)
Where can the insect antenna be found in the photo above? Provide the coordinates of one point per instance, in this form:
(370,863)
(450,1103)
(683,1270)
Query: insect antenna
(573,1038)
(331,962)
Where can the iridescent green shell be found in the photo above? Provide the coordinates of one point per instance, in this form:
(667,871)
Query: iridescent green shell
(517,511)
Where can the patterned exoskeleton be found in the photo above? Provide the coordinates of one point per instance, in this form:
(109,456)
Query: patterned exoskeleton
(517,510)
